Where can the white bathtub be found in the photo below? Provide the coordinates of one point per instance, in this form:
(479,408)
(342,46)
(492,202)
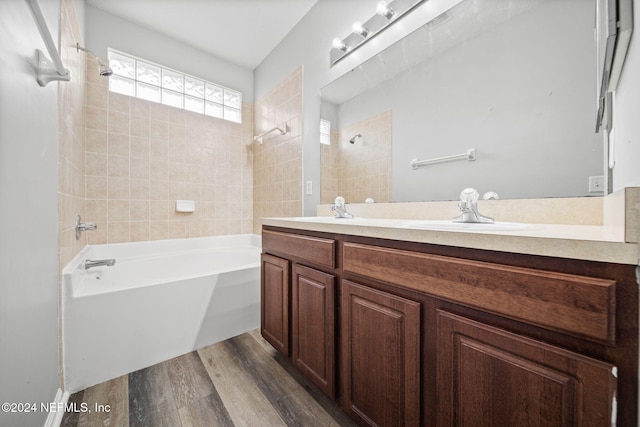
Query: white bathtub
(160,300)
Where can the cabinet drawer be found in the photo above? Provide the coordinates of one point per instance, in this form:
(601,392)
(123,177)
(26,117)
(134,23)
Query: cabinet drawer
(577,305)
(313,249)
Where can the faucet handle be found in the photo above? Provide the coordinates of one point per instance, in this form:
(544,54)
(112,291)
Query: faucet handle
(490,195)
(83,226)
(469,195)
(339,202)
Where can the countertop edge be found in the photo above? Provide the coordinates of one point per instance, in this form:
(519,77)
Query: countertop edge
(617,252)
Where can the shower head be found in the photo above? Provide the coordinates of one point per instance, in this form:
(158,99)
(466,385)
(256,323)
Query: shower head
(103,68)
(353,140)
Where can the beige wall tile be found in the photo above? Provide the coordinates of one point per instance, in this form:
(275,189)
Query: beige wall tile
(277,163)
(139,168)
(96,141)
(118,122)
(119,103)
(140,231)
(96,164)
(140,126)
(95,118)
(158,230)
(118,232)
(157,155)
(118,210)
(118,144)
(97,187)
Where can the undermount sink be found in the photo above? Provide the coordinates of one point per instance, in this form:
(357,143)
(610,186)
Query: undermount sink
(468,226)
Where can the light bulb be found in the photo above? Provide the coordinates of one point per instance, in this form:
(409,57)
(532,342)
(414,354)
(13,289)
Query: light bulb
(359,29)
(338,44)
(385,10)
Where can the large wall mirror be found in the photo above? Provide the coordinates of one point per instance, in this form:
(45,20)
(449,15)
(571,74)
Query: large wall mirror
(514,80)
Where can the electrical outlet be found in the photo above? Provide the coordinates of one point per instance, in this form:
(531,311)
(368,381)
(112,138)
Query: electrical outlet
(309,188)
(596,184)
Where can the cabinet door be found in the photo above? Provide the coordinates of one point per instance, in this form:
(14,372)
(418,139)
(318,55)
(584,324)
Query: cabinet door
(380,356)
(313,326)
(493,378)
(274,302)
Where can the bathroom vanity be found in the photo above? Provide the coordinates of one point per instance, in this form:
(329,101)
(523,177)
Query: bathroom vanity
(416,326)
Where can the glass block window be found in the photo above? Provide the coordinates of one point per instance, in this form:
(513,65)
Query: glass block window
(325,132)
(145,80)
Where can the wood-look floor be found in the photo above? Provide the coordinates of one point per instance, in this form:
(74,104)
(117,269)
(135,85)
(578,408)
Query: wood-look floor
(239,382)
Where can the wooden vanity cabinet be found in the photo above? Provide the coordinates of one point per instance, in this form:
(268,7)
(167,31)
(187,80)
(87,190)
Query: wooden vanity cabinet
(313,326)
(440,336)
(298,303)
(487,377)
(274,302)
(380,356)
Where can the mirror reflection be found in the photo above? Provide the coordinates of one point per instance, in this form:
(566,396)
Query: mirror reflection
(513,80)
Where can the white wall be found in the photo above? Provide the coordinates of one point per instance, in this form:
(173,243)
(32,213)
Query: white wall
(103,30)
(626,108)
(29,215)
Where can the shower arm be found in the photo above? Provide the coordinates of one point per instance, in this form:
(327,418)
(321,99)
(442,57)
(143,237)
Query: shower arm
(278,128)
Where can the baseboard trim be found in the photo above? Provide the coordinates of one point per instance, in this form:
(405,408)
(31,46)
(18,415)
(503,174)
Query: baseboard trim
(54,419)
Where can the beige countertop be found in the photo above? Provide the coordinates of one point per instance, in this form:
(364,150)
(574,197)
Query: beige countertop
(586,242)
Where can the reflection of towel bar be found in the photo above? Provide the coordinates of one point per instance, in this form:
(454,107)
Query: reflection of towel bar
(469,155)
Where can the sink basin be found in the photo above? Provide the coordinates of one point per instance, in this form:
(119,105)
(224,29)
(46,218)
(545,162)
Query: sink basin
(468,226)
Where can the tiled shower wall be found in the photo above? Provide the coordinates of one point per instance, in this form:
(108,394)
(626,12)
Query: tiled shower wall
(124,161)
(362,169)
(71,158)
(278,160)
(142,156)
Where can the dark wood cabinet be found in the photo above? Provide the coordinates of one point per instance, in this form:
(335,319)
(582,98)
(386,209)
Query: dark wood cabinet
(298,303)
(488,377)
(380,356)
(274,302)
(313,326)
(410,334)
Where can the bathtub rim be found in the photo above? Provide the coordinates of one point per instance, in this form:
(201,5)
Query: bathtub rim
(251,239)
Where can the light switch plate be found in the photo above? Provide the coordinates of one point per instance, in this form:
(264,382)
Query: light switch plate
(309,188)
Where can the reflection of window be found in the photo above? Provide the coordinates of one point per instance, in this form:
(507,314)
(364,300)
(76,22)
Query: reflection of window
(143,79)
(325,132)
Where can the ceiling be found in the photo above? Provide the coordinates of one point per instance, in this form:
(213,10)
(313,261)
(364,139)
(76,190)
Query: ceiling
(243,32)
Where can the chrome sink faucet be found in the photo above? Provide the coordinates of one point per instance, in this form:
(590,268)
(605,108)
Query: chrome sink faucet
(339,208)
(90,263)
(469,208)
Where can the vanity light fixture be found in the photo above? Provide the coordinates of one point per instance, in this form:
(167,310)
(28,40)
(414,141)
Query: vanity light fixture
(357,28)
(386,15)
(383,9)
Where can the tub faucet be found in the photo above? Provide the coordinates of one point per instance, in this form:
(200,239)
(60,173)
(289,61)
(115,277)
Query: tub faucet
(89,263)
(469,207)
(339,208)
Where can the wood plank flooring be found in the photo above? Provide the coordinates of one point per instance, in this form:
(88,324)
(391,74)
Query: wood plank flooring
(242,381)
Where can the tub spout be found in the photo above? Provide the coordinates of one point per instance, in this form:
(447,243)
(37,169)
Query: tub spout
(89,263)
